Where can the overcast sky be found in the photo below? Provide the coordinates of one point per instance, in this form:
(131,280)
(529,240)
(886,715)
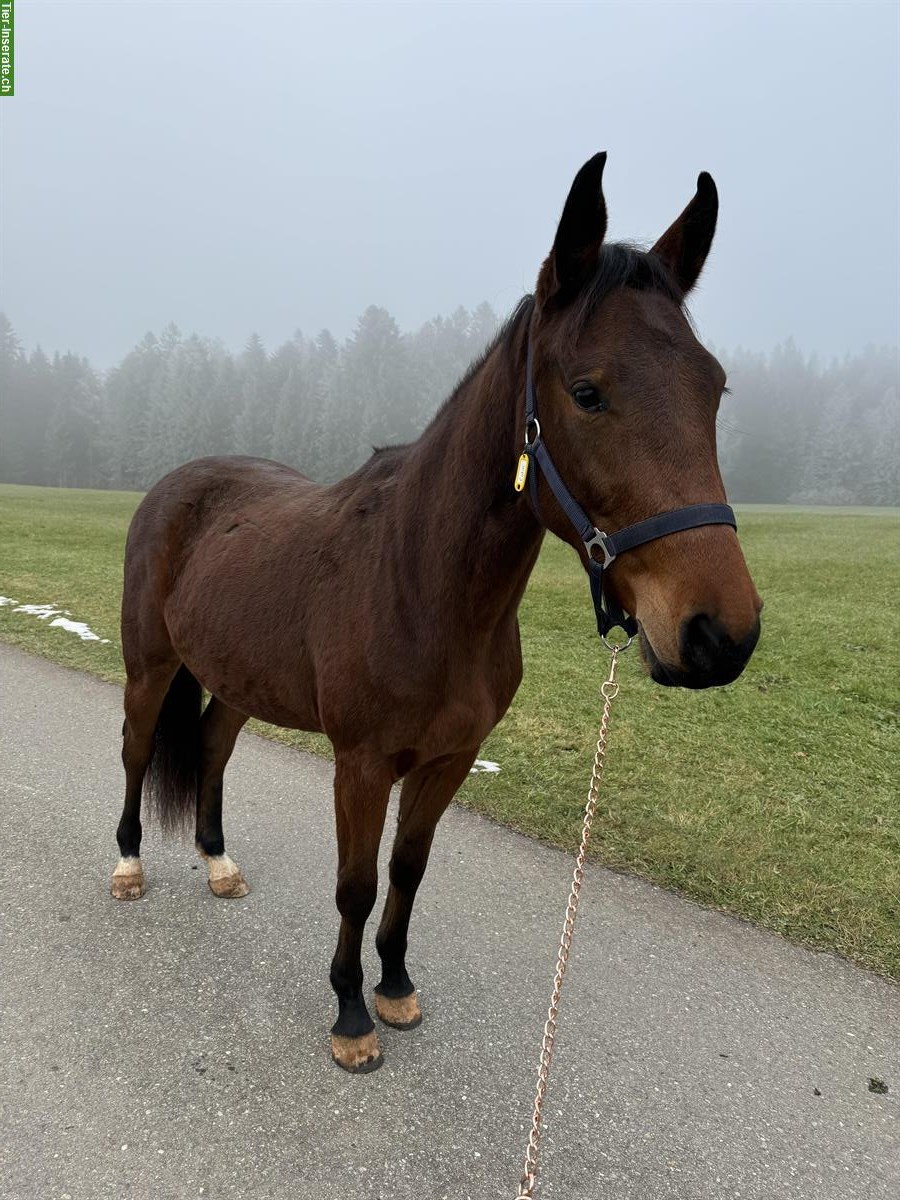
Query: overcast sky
(259,166)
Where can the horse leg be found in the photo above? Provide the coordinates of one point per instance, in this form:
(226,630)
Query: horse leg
(144,696)
(425,794)
(361,791)
(219,728)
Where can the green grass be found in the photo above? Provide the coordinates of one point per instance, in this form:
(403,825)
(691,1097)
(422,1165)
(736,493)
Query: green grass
(775,798)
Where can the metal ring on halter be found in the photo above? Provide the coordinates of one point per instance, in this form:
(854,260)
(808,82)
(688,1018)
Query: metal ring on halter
(537,432)
(614,646)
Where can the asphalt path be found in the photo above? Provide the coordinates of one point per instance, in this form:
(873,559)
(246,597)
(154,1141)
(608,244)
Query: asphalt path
(177,1046)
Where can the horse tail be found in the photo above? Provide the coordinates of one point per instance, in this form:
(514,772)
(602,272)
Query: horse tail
(173,770)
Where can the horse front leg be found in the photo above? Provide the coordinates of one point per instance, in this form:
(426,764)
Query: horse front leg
(361,791)
(425,794)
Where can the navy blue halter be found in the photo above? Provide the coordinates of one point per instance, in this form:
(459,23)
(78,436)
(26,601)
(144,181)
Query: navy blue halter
(608,611)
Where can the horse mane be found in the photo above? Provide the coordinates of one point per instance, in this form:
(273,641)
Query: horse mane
(503,336)
(385,460)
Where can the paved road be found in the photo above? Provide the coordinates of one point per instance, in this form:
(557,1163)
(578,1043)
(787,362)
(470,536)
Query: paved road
(177,1046)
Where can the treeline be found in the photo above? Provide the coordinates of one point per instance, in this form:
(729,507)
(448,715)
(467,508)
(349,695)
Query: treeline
(796,432)
(793,430)
(312,403)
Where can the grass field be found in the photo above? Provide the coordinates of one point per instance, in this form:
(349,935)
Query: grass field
(776,798)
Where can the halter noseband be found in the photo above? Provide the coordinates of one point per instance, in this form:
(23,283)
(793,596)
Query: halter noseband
(608,611)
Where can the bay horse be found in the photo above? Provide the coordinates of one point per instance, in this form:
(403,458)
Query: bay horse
(381,610)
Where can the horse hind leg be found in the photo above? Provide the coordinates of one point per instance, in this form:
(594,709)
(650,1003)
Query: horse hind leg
(219,728)
(144,696)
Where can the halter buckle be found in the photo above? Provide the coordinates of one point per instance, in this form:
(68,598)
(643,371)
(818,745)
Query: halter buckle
(601,540)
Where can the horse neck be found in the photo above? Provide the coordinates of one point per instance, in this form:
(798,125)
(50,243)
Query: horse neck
(481,537)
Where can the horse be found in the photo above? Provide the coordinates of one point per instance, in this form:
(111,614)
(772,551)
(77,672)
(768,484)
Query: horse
(381,610)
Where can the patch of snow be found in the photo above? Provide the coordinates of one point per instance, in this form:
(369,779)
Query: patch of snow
(482,764)
(79,629)
(41,611)
(60,616)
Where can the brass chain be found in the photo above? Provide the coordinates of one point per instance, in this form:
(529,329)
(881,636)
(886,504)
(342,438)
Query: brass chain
(609,691)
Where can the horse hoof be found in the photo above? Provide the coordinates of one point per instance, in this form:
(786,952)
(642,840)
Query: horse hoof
(225,878)
(128,880)
(357,1055)
(401,1013)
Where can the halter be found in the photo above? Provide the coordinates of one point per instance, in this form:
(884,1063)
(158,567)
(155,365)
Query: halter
(608,611)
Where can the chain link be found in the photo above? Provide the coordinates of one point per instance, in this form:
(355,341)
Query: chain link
(609,690)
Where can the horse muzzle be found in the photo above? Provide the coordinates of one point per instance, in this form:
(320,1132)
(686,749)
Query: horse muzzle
(710,656)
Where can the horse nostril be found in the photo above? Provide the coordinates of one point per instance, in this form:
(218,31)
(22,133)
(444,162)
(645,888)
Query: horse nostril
(709,655)
(702,640)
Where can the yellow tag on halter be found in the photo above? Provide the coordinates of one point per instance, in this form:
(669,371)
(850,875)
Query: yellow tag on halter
(521,473)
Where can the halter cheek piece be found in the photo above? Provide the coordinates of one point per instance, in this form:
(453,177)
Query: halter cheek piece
(608,611)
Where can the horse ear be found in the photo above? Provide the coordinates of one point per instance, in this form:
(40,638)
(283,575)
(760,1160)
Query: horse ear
(685,244)
(582,227)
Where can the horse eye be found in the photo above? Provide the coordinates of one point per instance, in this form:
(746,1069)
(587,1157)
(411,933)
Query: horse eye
(588,398)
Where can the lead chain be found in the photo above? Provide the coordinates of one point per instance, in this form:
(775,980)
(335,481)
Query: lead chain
(609,691)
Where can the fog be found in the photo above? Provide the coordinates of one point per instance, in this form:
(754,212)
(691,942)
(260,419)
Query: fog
(241,168)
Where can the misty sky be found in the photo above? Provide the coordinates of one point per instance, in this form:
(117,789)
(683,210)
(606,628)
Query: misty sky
(257,166)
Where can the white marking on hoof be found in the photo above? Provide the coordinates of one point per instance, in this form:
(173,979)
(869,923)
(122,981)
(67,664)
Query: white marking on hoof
(402,1013)
(128,879)
(357,1055)
(225,878)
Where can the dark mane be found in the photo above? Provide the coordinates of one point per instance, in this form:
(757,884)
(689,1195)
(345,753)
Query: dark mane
(382,464)
(385,460)
(502,336)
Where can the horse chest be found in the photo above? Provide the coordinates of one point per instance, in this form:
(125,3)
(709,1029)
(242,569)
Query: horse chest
(444,706)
